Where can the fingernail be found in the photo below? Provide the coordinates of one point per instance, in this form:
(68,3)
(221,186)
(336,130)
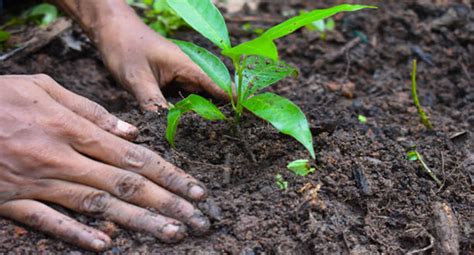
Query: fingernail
(125,127)
(197,192)
(200,223)
(98,244)
(174,232)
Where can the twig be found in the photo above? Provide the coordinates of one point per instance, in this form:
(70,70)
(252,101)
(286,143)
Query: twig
(425,232)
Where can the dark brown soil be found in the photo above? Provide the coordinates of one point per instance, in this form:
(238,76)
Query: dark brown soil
(371,199)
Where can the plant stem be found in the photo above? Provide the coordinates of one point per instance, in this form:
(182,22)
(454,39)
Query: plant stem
(239,69)
(424,119)
(428,170)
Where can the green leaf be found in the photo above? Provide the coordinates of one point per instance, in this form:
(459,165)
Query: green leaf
(160,6)
(291,25)
(205,18)
(209,63)
(319,25)
(362,119)
(158,27)
(330,24)
(284,115)
(259,46)
(47,12)
(264,45)
(261,72)
(195,103)
(174,114)
(300,167)
(413,155)
(4,36)
(280,182)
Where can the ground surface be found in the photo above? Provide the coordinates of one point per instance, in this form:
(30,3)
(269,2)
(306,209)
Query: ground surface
(371,198)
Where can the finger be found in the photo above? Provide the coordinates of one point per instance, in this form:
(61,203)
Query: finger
(87,139)
(39,216)
(91,201)
(145,87)
(86,108)
(192,76)
(133,188)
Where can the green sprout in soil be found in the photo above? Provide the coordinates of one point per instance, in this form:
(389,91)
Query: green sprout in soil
(41,14)
(280,182)
(301,167)
(251,29)
(414,155)
(158,15)
(362,119)
(424,119)
(4,36)
(322,26)
(256,65)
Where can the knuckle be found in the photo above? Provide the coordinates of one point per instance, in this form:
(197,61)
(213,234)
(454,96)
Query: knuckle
(36,220)
(96,202)
(173,205)
(129,185)
(61,123)
(136,157)
(101,116)
(42,79)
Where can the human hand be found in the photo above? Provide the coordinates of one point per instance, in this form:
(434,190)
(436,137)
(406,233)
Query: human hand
(58,147)
(144,62)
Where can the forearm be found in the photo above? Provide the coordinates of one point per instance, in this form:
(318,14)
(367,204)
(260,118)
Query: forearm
(94,15)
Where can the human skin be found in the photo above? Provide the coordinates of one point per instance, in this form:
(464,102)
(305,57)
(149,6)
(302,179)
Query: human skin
(139,58)
(61,148)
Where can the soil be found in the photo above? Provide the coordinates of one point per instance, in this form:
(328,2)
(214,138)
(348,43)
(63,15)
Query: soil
(367,197)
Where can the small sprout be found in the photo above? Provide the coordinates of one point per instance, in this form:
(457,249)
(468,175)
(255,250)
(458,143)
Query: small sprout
(424,119)
(362,119)
(414,155)
(159,16)
(322,26)
(280,182)
(4,36)
(300,167)
(247,27)
(44,14)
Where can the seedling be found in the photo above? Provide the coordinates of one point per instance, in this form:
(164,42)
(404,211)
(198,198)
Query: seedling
(424,119)
(414,155)
(256,64)
(254,30)
(4,36)
(362,119)
(43,14)
(322,26)
(280,182)
(300,167)
(158,15)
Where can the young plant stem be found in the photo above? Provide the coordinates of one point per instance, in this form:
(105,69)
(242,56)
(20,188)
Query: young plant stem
(239,69)
(424,119)
(428,170)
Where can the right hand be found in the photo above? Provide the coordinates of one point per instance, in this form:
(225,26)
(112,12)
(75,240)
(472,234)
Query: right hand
(58,147)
